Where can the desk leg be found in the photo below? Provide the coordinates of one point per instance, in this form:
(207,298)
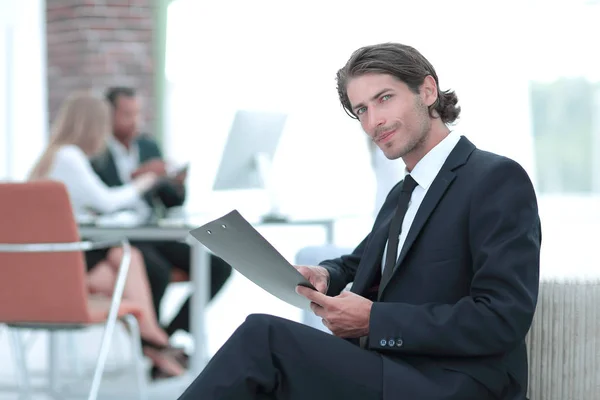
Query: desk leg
(200,276)
(329,228)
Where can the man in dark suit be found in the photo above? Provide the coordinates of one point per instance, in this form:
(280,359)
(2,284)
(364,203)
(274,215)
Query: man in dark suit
(128,155)
(444,286)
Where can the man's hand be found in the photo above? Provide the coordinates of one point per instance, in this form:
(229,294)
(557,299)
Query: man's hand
(156,166)
(145,181)
(317,276)
(346,315)
(180,177)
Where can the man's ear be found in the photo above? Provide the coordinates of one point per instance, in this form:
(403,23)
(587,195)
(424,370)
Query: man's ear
(428,91)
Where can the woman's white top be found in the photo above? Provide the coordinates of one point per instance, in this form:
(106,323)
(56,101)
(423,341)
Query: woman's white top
(88,193)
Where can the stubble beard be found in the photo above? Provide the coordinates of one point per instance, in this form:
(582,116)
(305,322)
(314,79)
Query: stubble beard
(418,140)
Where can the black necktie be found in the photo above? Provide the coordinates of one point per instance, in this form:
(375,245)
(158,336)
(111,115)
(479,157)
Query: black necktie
(391,256)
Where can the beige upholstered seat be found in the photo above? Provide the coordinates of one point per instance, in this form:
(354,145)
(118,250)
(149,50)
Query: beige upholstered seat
(564,340)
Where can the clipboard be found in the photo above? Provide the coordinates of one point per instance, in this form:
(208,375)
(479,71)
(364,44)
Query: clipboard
(236,241)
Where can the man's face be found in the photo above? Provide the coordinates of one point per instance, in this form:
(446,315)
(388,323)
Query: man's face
(126,114)
(395,118)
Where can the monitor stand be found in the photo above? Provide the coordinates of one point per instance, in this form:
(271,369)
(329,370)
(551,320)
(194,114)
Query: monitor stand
(263,165)
(270,218)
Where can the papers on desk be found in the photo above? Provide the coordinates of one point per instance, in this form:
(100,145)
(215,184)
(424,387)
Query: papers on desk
(233,239)
(119,219)
(125,219)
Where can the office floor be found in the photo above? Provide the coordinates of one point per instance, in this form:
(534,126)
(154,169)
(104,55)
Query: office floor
(239,298)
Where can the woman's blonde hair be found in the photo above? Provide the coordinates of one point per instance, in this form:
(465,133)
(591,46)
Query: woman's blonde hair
(83,120)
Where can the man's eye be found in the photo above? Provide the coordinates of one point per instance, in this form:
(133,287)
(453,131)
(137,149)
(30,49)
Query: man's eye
(386,97)
(361,110)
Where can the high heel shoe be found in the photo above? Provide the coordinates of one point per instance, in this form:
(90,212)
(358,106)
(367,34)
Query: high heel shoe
(176,352)
(165,364)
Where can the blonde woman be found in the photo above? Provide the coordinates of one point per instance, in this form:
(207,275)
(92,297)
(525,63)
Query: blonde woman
(80,131)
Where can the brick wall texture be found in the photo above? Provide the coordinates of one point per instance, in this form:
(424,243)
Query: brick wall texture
(93,44)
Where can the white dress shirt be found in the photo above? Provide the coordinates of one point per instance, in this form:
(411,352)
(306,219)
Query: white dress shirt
(86,190)
(126,160)
(424,173)
(387,174)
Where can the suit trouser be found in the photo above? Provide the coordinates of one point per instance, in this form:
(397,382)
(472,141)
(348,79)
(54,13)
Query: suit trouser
(160,258)
(272,358)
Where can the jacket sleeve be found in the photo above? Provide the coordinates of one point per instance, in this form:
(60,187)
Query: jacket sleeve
(170,193)
(504,238)
(343,269)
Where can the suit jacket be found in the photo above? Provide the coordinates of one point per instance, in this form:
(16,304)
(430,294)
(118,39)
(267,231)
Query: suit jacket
(464,289)
(170,193)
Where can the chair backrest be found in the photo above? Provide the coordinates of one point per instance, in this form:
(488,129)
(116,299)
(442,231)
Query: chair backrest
(40,287)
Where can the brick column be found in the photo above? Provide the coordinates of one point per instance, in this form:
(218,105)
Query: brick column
(94,44)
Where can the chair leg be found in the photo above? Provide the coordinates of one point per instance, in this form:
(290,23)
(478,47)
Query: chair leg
(138,357)
(74,357)
(121,343)
(53,362)
(107,337)
(21,363)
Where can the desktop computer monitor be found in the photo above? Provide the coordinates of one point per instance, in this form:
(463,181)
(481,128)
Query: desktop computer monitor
(248,154)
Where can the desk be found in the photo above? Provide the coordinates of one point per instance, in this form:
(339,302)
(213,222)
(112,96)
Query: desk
(199,270)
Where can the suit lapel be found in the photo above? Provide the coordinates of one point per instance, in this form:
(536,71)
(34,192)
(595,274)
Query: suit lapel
(435,193)
(143,151)
(112,175)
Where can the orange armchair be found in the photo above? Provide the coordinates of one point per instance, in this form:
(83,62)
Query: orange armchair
(43,276)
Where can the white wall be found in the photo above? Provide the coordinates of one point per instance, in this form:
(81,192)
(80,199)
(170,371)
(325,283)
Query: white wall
(23,92)
(284,56)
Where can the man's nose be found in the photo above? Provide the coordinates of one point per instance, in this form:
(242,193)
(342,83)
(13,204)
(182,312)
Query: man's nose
(375,119)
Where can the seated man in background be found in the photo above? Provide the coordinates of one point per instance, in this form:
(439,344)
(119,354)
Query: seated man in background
(130,154)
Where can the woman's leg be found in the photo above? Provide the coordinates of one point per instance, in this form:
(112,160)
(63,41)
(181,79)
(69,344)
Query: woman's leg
(137,290)
(101,279)
(158,271)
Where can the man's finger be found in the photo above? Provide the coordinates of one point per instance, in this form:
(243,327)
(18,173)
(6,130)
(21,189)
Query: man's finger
(313,295)
(321,287)
(317,309)
(304,270)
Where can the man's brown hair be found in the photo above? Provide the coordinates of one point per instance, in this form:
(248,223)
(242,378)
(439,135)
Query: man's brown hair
(405,64)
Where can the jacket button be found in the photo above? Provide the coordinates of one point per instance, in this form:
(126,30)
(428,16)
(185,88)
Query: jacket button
(399,343)
(391,342)
(382,342)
